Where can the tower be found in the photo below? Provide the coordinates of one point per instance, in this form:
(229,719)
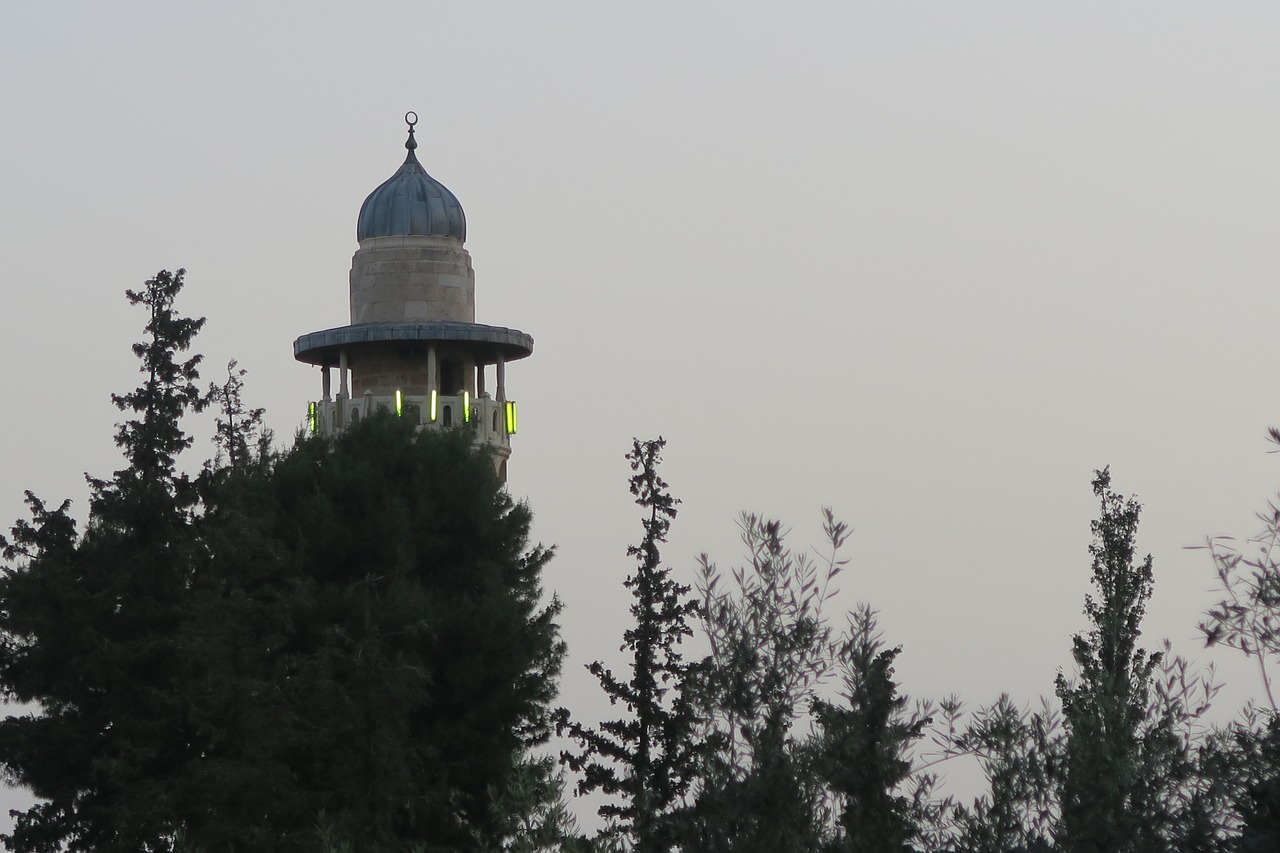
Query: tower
(413,346)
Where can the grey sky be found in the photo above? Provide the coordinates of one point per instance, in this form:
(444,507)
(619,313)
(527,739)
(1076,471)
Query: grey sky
(929,264)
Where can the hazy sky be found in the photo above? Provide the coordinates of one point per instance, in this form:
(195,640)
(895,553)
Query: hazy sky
(928,264)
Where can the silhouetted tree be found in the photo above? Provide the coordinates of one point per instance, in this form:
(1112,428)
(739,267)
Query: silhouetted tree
(1021,753)
(648,758)
(864,744)
(92,623)
(759,788)
(1118,764)
(421,656)
(344,641)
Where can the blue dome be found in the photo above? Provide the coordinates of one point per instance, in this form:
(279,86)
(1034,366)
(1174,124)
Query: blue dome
(411,202)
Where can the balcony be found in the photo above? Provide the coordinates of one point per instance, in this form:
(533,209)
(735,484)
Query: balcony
(492,421)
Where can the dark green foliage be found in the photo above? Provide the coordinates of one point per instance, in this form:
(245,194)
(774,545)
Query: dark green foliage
(377,652)
(1021,754)
(238,428)
(863,746)
(421,659)
(1260,805)
(531,813)
(344,641)
(1108,800)
(154,438)
(242,795)
(647,759)
(92,625)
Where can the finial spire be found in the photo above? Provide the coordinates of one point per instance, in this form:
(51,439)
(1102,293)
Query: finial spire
(411,118)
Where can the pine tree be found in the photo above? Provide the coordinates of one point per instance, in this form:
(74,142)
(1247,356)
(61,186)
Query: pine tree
(648,758)
(91,623)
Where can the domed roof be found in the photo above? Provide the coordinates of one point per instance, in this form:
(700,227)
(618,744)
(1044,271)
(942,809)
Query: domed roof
(411,202)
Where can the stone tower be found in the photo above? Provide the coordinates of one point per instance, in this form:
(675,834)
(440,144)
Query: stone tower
(413,346)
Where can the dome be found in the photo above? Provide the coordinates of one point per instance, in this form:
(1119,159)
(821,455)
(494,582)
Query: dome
(411,202)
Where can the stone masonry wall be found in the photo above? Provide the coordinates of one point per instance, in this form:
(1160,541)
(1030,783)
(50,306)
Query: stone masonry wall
(412,278)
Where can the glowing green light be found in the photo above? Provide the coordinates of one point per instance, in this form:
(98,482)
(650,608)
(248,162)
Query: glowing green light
(466,407)
(313,418)
(434,407)
(511,417)
(399,403)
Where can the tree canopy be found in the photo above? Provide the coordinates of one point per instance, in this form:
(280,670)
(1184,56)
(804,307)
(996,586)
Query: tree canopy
(345,645)
(345,638)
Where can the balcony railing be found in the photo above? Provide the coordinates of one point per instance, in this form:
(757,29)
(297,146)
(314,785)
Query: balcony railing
(493,421)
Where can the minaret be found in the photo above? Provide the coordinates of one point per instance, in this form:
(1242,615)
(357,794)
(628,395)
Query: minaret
(413,346)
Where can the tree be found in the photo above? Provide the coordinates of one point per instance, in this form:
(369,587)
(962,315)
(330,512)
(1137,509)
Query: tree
(420,657)
(1108,800)
(376,659)
(91,623)
(1248,616)
(1260,803)
(533,817)
(648,758)
(239,429)
(344,641)
(864,744)
(1246,761)
(1021,753)
(771,646)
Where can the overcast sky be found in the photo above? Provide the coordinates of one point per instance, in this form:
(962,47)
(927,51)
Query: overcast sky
(927,264)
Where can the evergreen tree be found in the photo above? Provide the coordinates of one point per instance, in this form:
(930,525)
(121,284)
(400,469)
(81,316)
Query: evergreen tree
(346,641)
(1108,804)
(647,759)
(239,431)
(242,795)
(864,746)
(91,624)
(421,658)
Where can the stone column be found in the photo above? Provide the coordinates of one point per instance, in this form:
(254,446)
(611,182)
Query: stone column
(342,375)
(502,378)
(324,383)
